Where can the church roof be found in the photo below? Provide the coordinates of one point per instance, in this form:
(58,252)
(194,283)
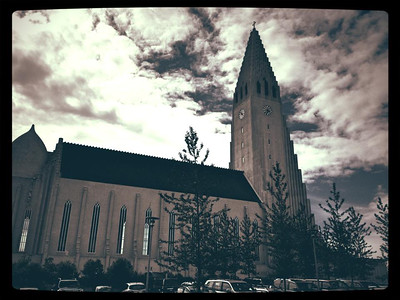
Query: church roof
(28,154)
(123,168)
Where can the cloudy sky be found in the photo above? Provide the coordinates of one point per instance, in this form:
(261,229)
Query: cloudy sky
(136,79)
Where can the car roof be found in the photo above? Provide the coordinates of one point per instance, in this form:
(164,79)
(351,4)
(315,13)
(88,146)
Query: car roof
(135,283)
(228,280)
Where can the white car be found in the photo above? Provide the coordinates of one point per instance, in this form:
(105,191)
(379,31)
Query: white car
(69,285)
(135,287)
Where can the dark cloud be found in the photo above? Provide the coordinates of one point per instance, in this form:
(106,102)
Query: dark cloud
(112,21)
(29,69)
(32,78)
(34,14)
(177,59)
(96,20)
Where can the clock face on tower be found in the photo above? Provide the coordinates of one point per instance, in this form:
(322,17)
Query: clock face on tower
(267,110)
(241,114)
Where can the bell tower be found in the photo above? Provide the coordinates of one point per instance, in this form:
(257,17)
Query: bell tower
(259,136)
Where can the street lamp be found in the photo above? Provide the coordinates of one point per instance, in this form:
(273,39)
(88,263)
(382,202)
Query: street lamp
(314,235)
(150,222)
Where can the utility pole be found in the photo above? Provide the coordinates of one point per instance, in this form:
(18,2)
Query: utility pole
(150,222)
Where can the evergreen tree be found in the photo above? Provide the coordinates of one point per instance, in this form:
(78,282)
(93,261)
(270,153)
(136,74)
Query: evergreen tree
(344,235)
(303,243)
(192,152)
(193,219)
(382,227)
(250,240)
(278,226)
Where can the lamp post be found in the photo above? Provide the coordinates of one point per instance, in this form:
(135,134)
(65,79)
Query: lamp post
(150,222)
(314,235)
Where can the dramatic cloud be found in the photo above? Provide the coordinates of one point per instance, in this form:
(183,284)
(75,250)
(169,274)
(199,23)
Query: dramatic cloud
(136,79)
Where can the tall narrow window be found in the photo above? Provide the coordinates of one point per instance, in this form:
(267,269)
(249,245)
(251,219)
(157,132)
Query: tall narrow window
(93,228)
(62,240)
(258,87)
(25,228)
(241,93)
(171,233)
(274,91)
(245,89)
(265,87)
(121,230)
(236,227)
(146,234)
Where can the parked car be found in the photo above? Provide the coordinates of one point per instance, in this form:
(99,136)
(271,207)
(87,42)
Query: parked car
(295,285)
(370,285)
(102,288)
(68,285)
(257,284)
(135,287)
(227,286)
(187,287)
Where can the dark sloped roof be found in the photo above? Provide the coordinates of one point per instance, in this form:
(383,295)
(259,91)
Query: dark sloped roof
(116,167)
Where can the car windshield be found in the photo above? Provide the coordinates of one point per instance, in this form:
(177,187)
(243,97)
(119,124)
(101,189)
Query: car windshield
(241,286)
(68,284)
(136,287)
(306,286)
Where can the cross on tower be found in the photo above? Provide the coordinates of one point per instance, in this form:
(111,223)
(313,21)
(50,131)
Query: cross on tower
(254,24)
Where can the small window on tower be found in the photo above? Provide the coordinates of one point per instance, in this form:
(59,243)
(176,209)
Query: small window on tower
(265,87)
(274,91)
(269,156)
(242,145)
(241,130)
(241,93)
(242,159)
(258,87)
(245,89)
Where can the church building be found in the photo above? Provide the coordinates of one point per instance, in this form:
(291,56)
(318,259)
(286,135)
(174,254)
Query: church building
(79,202)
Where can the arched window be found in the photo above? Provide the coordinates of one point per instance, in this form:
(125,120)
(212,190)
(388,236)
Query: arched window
(241,93)
(62,240)
(236,97)
(93,228)
(258,87)
(274,91)
(25,228)
(146,233)
(265,87)
(121,230)
(245,89)
(171,233)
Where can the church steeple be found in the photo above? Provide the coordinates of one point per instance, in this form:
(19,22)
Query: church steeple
(256,75)
(260,137)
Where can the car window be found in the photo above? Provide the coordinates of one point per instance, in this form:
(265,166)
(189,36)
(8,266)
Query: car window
(136,287)
(217,285)
(209,284)
(241,286)
(226,286)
